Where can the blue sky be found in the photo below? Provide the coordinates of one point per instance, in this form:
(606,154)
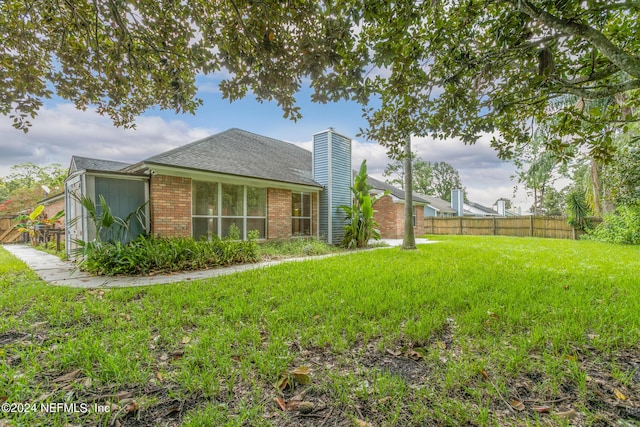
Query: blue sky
(61,131)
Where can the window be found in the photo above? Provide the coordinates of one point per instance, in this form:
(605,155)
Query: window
(227,210)
(204,209)
(301,214)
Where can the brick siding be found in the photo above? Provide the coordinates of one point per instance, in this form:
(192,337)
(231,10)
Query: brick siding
(390,218)
(170,206)
(278,213)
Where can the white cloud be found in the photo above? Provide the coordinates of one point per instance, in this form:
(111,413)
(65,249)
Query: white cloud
(63,131)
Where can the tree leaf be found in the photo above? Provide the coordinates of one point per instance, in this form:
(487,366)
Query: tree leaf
(302,375)
(517,405)
(619,394)
(571,413)
(283,381)
(281,404)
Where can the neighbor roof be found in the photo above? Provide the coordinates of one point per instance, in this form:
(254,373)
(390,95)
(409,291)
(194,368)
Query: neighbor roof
(438,204)
(86,163)
(396,192)
(242,153)
(482,208)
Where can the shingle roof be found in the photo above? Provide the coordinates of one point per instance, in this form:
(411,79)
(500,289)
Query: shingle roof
(439,204)
(242,153)
(482,208)
(86,163)
(396,192)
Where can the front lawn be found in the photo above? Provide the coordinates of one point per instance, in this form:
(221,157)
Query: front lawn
(468,331)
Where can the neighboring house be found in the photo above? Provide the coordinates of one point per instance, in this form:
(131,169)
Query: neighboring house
(53,205)
(463,207)
(231,182)
(389,210)
(437,207)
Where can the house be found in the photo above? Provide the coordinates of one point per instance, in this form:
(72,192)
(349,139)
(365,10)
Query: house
(437,207)
(389,210)
(463,207)
(229,183)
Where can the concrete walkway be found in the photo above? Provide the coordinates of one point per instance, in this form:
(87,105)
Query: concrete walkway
(55,271)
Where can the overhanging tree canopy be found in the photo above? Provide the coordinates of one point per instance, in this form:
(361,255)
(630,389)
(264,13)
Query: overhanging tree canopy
(453,68)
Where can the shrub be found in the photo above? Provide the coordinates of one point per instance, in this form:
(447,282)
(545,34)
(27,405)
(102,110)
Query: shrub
(146,255)
(621,226)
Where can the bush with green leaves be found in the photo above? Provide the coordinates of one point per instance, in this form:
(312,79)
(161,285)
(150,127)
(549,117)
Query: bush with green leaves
(621,226)
(361,227)
(146,255)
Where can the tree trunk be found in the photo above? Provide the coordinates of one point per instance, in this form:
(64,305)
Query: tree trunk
(409,241)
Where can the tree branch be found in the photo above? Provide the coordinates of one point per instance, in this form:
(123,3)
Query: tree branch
(602,74)
(626,62)
(599,92)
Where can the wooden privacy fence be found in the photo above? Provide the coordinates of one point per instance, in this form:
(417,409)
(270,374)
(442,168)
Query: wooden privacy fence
(8,233)
(524,226)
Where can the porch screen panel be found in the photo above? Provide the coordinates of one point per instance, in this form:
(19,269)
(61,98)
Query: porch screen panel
(123,196)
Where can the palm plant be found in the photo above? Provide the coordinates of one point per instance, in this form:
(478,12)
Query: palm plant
(109,228)
(361,227)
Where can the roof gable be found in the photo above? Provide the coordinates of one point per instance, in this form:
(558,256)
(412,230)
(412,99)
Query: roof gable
(395,192)
(438,204)
(86,163)
(242,153)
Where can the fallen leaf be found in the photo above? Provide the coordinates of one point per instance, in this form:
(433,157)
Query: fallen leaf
(159,376)
(316,317)
(492,314)
(281,404)
(484,374)
(542,409)
(302,375)
(283,381)
(571,413)
(517,405)
(412,354)
(67,377)
(619,394)
(362,423)
(131,407)
(442,345)
(186,340)
(393,353)
(291,405)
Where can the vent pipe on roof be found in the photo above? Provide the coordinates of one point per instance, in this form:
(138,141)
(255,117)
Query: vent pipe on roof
(502,210)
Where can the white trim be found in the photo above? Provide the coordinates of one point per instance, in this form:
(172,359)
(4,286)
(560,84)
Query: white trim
(230,179)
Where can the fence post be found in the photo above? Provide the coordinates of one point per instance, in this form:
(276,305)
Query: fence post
(494,225)
(531,226)
(573,232)
(461,226)
(432,226)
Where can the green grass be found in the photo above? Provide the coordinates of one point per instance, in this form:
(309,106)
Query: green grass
(450,334)
(298,247)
